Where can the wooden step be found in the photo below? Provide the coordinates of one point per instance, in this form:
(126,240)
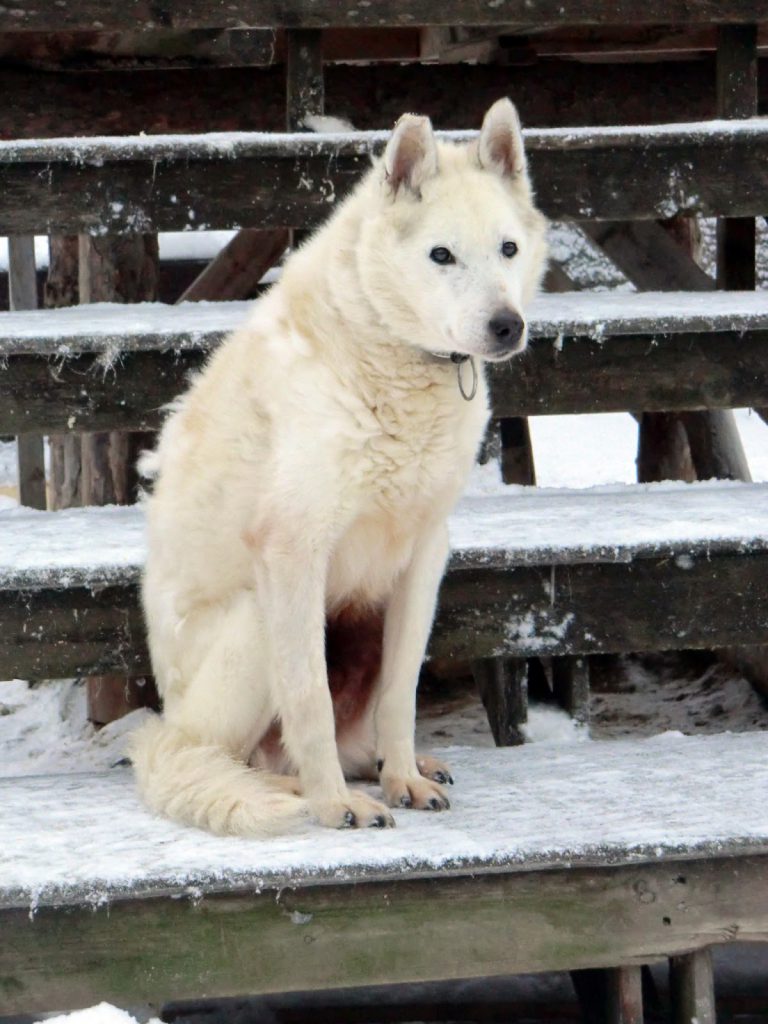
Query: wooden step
(532,572)
(241,179)
(114,367)
(552,858)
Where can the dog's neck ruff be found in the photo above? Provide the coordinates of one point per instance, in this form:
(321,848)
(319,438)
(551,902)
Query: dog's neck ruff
(459,359)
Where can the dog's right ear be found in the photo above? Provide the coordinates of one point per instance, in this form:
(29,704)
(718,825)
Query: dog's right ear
(411,154)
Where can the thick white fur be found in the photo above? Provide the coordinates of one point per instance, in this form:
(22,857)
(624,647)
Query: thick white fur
(311,466)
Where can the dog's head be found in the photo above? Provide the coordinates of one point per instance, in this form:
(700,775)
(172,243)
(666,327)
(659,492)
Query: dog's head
(456,248)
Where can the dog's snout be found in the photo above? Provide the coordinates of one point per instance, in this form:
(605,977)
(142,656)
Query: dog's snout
(506,327)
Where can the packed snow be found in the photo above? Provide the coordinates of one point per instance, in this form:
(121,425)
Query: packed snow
(145,325)
(510,806)
(95,149)
(101,545)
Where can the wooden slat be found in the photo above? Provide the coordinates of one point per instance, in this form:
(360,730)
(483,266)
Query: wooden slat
(646,605)
(656,372)
(166,183)
(139,15)
(134,952)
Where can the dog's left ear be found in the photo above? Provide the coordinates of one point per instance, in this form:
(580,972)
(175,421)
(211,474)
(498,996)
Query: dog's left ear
(500,146)
(411,154)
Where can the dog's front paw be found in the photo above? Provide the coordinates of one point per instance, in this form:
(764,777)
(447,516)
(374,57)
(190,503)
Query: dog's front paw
(433,769)
(355,810)
(414,791)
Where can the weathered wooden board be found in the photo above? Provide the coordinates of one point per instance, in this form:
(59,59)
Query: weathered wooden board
(700,370)
(141,15)
(549,93)
(645,605)
(193,182)
(372,932)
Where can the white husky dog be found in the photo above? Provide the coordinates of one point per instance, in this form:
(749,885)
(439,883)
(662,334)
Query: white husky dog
(297,529)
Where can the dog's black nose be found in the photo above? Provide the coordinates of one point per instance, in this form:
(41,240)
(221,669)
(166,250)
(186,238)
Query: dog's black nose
(506,327)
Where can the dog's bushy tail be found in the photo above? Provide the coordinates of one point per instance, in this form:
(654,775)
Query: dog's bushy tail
(205,787)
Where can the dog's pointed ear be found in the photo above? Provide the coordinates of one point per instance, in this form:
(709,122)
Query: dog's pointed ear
(500,146)
(411,154)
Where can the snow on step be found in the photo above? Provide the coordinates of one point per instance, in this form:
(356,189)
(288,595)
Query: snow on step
(108,328)
(96,149)
(102,545)
(86,838)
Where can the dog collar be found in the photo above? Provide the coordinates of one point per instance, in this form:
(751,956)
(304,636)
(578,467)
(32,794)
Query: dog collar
(459,359)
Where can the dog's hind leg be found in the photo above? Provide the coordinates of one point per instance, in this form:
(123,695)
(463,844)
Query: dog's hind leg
(190,764)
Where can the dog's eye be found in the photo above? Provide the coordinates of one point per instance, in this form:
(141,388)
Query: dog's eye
(442,255)
(508,249)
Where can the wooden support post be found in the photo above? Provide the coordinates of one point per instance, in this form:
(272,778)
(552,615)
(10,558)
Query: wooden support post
(61,289)
(692,988)
(570,684)
(516,452)
(736,98)
(115,269)
(304,85)
(503,686)
(613,996)
(22,293)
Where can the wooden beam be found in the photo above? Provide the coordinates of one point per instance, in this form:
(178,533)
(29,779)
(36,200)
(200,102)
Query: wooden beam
(22,294)
(89,15)
(156,183)
(648,255)
(645,605)
(236,271)
(134,951)
(696,370)
(692,988)
(549,93)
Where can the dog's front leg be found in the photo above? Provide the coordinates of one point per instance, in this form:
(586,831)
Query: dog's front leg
(292,591)
(406,632)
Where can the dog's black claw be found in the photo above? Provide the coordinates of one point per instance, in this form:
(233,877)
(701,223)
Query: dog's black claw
(443,778)
(380,764)
(450,780)
(349,820)
(405,801)
(438,804)
(378,822)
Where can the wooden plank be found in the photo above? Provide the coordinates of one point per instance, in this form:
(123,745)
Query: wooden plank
(141,16)
(548,93)
(22,294)
(169,183)
(645,605)
(133,951)
(656,372)
(692,988)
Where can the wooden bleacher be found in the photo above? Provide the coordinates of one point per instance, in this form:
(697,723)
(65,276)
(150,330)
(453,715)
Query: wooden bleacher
(552,859)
